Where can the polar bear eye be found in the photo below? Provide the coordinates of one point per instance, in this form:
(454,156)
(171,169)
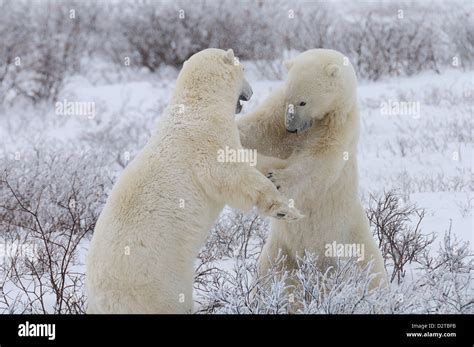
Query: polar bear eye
(302,103)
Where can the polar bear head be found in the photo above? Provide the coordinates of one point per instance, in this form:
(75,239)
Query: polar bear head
(321,83)
(213,76)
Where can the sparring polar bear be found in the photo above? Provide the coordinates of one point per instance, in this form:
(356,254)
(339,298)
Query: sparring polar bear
(312,123)
(159,213)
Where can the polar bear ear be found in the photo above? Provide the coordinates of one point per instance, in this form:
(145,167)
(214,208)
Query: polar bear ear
(288,64)
(332,70)
(229,56)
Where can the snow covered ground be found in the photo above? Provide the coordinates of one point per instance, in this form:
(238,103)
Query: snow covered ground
(428,156)
(425,155)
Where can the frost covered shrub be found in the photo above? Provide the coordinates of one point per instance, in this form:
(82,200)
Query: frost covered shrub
(343,289)
(49,203)
(308,25)
(147,35)
(13,44)
(459,26)
(42,44)
(379,46)
(167,33)
(448,278)
(52,42)
(400,242)
(122,135)
(375,39)
(227,282)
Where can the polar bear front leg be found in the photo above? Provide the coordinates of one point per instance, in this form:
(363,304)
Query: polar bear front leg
(242,186)
(260,192)
(264,128)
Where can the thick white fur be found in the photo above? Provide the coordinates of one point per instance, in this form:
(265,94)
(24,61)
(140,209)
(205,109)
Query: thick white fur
(160,210)
(322,183)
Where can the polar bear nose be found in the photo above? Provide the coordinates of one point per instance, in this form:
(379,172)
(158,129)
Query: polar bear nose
(294,123)
(245,97)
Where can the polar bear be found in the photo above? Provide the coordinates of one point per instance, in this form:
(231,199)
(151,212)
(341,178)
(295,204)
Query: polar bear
(312,123)
(157,217)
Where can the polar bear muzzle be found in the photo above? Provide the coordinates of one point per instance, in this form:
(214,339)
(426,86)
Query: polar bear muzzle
(244,95)
(294,123)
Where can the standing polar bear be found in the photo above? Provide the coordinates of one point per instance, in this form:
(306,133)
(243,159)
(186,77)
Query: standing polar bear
(157,217)
(312,122)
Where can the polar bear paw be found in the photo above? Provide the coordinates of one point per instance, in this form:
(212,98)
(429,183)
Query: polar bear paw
(279,209)
(278,178)
(288,214)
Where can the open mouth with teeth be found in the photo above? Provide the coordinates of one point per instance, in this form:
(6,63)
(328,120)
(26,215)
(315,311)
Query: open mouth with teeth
(240,104)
